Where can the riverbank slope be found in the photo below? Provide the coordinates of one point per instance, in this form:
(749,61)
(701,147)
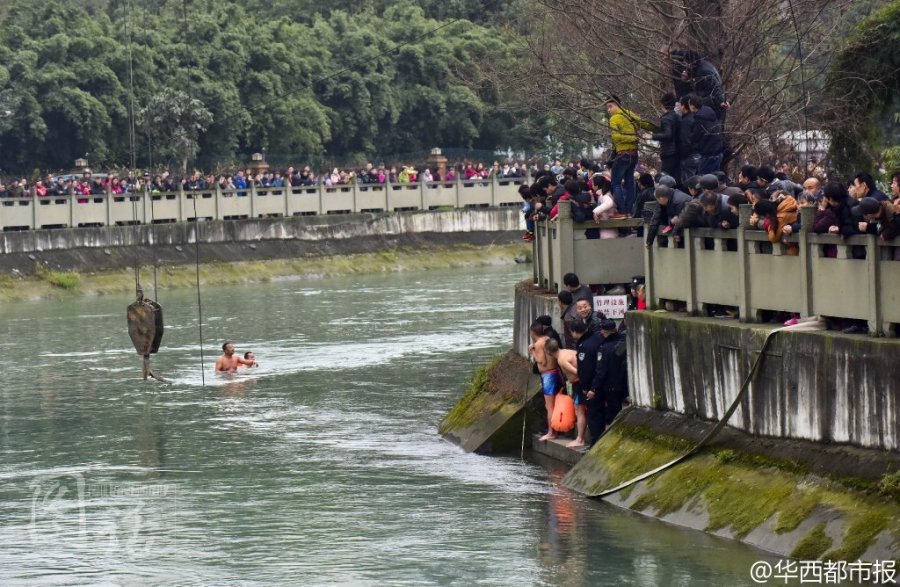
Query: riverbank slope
(50,282)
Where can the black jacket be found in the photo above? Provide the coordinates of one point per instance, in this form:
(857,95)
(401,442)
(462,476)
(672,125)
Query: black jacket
(664,214)
(611,379)
(588,353)
(708,85)
(669,130)
(848,223)
(707,132)
(686,145)
(643,197)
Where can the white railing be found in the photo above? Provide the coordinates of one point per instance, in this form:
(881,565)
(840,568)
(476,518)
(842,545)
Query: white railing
(73,211)
(856,277)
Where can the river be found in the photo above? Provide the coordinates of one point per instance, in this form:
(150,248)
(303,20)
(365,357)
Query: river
(320,467)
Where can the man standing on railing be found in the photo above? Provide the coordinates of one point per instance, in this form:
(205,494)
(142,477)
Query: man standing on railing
(667,136)
(623,125)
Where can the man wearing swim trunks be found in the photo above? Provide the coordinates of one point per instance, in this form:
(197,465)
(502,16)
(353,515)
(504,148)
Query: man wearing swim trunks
(228,362)
(568,364)
(551,382)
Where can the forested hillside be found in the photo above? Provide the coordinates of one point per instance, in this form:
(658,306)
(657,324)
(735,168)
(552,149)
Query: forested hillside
(290,77)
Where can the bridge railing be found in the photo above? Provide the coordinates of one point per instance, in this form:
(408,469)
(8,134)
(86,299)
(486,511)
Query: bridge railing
(855,278)
(564,246)
(75,210)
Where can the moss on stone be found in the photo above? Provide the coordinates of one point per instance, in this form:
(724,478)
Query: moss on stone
(218,273)
(739,491)
(473,404)
(626,451)
(803,506)
(813,544)
(860,534)
(761,497)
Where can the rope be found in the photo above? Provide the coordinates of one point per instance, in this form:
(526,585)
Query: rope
(155,252)
(524,411)
(199,300)
(807,324)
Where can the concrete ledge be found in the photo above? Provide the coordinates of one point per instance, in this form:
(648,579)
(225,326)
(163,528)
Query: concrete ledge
(556,449)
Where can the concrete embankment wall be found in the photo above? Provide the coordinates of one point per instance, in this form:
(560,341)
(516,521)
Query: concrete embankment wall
(815,386)
(783,476)
(818,386)
(241,240)
(531,303)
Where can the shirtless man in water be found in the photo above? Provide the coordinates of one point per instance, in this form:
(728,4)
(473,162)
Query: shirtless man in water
(568,364)
(250,356)
(228,362)
(549,369)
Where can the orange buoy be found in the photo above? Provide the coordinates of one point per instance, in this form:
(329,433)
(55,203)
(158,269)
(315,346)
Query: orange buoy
(563,413)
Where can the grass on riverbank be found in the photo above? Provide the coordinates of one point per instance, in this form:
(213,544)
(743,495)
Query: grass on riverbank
(47,284)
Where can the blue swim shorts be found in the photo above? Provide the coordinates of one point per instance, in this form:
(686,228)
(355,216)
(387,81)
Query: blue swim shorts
(578,394)
(551,382)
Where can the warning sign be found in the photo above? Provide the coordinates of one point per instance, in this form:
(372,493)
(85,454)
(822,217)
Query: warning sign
(613,307)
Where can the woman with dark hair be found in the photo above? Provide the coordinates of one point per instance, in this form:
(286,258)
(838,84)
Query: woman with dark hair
(606,204)
(775,215)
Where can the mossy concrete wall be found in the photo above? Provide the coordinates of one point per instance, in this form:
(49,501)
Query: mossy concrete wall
(780,506)
(501,404)
(241,240)
(819,386)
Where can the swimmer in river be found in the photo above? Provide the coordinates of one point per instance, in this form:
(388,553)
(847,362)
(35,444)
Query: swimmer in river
(229,362)
(250,356)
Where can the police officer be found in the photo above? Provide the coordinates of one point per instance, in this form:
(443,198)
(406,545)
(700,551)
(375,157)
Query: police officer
(588,353)
(612,373)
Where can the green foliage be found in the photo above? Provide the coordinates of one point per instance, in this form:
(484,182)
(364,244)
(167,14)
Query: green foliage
(862,88)
(61,279)
(889,485)
(813,544)
(725,456)
(299,79)
(173,120)
(474,403)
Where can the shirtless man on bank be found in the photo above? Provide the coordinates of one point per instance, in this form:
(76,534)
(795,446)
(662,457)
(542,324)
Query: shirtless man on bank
(228,362)
(551,382)
(568,364)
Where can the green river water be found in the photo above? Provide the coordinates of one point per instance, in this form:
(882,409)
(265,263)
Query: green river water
(323,466)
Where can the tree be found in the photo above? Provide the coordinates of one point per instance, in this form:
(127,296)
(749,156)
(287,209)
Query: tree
(863,92)
(575,52)
(173,121)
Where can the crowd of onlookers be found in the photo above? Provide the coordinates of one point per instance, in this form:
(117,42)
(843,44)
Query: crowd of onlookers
(88,183)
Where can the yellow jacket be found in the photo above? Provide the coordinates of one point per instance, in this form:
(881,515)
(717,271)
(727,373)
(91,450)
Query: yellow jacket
(623,130)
